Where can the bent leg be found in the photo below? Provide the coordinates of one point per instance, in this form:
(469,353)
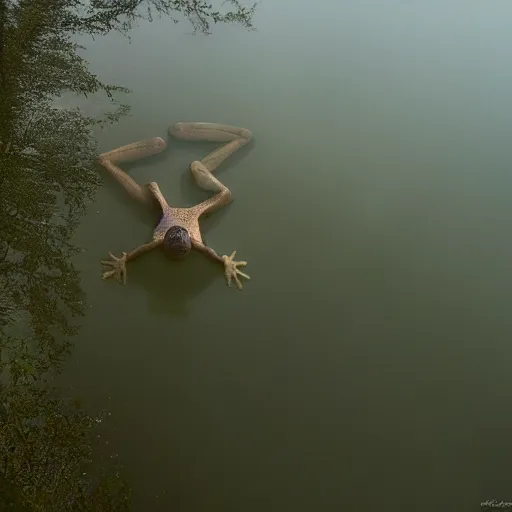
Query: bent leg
(213,132)
(207,181)
(130,153)
(234,137)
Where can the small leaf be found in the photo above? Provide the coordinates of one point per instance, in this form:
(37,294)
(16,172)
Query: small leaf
(26,367)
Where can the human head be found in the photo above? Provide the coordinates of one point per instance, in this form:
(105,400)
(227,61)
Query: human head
(177,243)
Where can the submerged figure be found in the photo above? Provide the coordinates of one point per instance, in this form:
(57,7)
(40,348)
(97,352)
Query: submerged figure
(178,230)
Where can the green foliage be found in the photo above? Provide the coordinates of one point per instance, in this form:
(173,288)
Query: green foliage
(46,444)
(47,169)
(102,16)
(47,175)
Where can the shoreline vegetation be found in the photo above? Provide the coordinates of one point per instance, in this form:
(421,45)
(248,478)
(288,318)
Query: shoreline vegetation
(48,443)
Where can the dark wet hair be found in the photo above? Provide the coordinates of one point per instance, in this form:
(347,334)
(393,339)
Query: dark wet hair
(177,243)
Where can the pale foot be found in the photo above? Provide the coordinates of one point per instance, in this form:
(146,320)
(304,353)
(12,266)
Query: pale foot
(118,268)
(231,269)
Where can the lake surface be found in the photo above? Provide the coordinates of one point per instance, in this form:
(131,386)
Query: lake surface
(366,365)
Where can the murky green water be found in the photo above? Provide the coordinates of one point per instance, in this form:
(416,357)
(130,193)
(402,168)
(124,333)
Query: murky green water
(366,364)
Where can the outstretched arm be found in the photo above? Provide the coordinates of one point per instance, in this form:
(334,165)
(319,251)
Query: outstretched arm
(230,266)
(119,264)
(208,251)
